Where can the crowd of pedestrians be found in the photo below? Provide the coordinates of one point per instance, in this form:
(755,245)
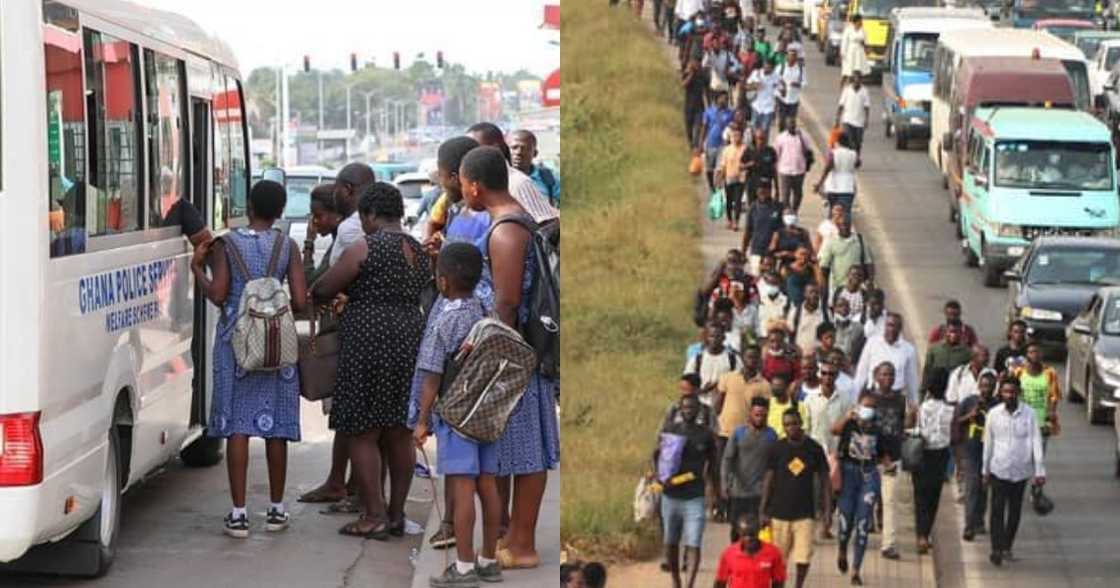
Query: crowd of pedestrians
(402,310)
(803,406)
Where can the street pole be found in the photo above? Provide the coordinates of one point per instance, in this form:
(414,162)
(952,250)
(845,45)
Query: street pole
(348,127)
(320,141)
(278,134)
(289,140)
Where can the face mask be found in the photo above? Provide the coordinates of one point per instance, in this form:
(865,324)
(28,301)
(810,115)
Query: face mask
(768,289)
(790,220)
(866,413)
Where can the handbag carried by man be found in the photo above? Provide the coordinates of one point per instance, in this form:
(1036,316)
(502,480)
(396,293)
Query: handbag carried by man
(318,361)
(485,380)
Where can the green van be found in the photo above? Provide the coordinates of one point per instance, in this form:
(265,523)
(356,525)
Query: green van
(1031,172)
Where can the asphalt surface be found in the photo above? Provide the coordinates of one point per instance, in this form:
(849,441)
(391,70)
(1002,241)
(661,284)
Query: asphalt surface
(902,208)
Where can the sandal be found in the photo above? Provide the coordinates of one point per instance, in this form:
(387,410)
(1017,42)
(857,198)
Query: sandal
(320,495)
(505,557)
(348,505)
(397,529)
(380,530)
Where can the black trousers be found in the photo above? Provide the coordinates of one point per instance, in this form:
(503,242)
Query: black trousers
(734,194)
(740,507)
(693,121)
(657,14)
(927,488)
(1007,506)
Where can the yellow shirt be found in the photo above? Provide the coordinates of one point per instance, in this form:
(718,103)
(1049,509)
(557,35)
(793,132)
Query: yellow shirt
(738,392)
(729,162)
(777,409)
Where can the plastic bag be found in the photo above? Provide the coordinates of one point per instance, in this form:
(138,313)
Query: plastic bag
(671,448)
(716,205)
(834,137)
(647,499)
(696,165)
(1041,502)
(912,449)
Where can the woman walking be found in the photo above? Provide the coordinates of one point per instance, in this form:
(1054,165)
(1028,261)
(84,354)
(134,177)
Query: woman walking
(853,51)
(530,445)
(260,403)
(935,422)
(839,176)
(730,176)
(380,329)
(860,453)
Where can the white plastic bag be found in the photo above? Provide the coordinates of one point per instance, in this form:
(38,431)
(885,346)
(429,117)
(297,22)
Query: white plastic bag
(646,500)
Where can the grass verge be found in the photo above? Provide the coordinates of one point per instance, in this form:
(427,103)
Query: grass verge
(631,260)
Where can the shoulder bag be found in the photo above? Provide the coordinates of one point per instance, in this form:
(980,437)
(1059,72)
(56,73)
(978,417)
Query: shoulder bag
(318,362)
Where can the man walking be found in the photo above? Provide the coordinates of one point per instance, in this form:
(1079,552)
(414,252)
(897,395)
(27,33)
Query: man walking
(763,220)
(760,163)
(968,425)
(1038,384)
(744,465)
(1012,455)
(792,148)
(846,250)
(764,82)
(891,347)
(854,111)
(965,380)
(947,355)
(896,414)
(953,313)
(788,500)
(716,119)
(792,75)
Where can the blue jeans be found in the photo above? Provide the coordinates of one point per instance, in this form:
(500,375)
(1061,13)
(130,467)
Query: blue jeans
(857,501)
(975,493)
(683,520)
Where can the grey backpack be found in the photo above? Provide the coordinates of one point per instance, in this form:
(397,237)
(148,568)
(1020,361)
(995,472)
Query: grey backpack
(264,331)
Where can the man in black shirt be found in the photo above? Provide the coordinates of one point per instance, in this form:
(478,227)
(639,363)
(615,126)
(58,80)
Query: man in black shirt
(682,500)
(760,161)
(1014,354)
(763,220)
(895,416)
(787,492)
(968,431)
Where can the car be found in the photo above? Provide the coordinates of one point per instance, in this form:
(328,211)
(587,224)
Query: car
(1064,28)
(413,186)
(1093,354)
(1054,280)
(299,181)
(1100,70)
(1089,41)
(834,19)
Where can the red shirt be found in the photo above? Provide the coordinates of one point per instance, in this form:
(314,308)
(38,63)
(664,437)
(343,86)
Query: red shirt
(787,364)
(968,336)
(740,569)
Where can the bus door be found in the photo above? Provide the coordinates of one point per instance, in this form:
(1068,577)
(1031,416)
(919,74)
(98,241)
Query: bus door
(201,147)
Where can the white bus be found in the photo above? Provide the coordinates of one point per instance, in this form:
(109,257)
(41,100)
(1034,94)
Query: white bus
(955,46)
(111,114)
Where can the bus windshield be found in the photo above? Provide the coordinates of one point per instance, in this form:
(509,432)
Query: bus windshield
(917,52)
(882,8)
(1060,165)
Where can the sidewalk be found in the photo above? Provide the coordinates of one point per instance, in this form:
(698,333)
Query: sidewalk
(911,570)
(431,562)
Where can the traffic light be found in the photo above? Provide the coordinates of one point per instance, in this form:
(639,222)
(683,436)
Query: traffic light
(439,59)
(396,60)
(353,62)
(306,63)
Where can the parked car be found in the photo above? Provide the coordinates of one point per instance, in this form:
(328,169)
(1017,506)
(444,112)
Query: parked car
(1093,360)
(413,185)
(299,181)
(1055,279)
(1100,70)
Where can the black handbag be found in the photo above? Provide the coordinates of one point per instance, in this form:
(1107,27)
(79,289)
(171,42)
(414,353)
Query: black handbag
(913,448)
(1042,503)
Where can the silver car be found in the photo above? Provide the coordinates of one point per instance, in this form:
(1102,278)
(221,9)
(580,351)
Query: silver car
(1093,360)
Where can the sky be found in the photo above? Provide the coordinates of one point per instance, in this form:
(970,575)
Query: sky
(498,35)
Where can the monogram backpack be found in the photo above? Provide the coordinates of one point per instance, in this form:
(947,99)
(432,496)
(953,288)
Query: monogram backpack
(264,331)
(483,383)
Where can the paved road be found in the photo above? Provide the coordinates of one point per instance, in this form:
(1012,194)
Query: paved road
(171,535)
(903,209)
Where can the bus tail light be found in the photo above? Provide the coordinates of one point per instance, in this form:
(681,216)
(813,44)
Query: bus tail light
(21,450)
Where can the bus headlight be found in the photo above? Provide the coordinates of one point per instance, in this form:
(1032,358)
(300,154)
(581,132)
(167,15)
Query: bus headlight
(1007,230)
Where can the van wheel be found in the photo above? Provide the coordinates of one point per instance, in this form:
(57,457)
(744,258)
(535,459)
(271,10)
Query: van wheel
(992,276)
(901,141)
(204,452)
(100,532)
(970,258)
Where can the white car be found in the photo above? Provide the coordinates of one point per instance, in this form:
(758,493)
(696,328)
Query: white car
(1105,60)
(413,186)
(299,181)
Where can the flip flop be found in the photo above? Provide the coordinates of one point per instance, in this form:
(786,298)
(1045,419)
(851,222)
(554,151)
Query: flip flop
(348,505)
(379,531)
(505,557)
(319,495)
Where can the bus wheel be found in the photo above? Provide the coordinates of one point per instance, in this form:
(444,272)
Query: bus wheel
(206,451)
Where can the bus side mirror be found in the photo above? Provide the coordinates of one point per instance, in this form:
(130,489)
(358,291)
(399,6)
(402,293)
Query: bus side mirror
(276,175)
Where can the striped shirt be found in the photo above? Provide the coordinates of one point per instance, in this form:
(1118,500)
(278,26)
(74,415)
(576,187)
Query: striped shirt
(525,192)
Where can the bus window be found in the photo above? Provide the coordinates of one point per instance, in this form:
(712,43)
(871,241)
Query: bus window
(166,134)
(239,168)
(114,130)
(221,154)
(66,141)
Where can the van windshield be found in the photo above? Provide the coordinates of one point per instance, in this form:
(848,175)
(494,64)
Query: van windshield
(882,8)
(1059,165)
(917,52)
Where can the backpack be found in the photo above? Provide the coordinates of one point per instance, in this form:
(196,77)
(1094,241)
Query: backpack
(264,331)
(542,330)
(485,380)
(730,360)
(549,180)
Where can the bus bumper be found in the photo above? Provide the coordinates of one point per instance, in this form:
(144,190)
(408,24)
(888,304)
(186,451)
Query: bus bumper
(18,506)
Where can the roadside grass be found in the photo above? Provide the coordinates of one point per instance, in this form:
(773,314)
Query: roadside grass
(631,261)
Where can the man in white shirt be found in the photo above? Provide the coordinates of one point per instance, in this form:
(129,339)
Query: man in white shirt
(900,353)
(854,111)
(352,181)
(686,9)
(874,318)
(964,380)
(792,75)
(521,186)
(806,318)
(764,82)
(711,363)
(1012,455)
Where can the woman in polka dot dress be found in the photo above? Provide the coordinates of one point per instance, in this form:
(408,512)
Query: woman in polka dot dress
(252,404)
(380,332)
